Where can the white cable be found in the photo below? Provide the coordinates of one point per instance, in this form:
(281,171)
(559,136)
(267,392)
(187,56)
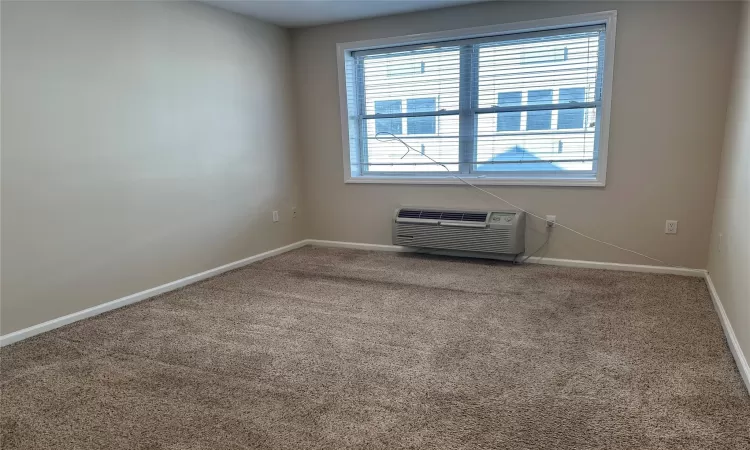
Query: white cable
(557,224)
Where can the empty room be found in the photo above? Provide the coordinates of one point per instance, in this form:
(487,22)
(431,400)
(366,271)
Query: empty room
(374,224)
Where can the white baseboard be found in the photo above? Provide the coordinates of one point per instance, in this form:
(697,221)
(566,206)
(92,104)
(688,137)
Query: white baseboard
(618,266)
(534,260)
(359,246)
(734,344)
(137,297)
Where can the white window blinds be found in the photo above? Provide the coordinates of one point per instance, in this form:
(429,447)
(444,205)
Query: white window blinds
(514,106)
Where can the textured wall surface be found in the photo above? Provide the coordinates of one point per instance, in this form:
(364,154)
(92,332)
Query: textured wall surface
(142,142)
(729,259)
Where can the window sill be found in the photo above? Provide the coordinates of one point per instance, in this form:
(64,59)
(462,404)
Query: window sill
(573,182)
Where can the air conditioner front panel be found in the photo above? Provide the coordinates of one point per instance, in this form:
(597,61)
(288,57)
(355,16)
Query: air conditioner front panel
(454,238)
(470,231)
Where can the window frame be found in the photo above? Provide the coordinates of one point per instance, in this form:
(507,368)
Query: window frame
(350,134)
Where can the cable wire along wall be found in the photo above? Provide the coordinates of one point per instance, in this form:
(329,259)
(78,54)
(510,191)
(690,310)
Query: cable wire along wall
(506,106)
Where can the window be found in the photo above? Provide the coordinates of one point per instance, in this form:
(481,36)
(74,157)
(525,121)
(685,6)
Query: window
(544,55)
(509,121)
(522,103)
(571,118)
(392,125)
(404,69)
(539,120)
(422,124)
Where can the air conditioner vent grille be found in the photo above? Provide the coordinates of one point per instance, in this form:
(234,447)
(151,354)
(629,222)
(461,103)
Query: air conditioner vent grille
(457,216)
(474,217)
(430,215)
(410,213)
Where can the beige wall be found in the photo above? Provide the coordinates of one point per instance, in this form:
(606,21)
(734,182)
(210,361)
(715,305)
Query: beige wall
(672,70)
(729,254)
(141,143)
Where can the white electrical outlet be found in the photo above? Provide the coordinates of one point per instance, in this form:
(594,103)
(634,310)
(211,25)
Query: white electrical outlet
(294,213)
(275,216)
(551,221)
(671,227)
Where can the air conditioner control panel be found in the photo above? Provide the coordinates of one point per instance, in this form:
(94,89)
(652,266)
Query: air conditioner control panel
(502,218)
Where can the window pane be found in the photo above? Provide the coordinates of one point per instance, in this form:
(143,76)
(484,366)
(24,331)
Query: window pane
(539,120)
(420,125)
(571,118)
(439,79)
(402,69)
(545,71)
(543,63)
(544,152)
(541,55)
(390,156)
(388,125)
(431,84)
(509,121)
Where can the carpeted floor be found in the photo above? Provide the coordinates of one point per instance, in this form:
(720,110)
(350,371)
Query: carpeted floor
(336,349)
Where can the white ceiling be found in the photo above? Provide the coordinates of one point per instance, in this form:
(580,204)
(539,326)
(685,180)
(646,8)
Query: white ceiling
(304,13)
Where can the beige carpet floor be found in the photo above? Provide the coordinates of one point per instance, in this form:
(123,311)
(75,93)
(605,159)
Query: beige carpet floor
(342,349)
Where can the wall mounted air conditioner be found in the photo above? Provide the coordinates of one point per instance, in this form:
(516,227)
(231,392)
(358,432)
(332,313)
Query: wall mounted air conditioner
(483,233)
